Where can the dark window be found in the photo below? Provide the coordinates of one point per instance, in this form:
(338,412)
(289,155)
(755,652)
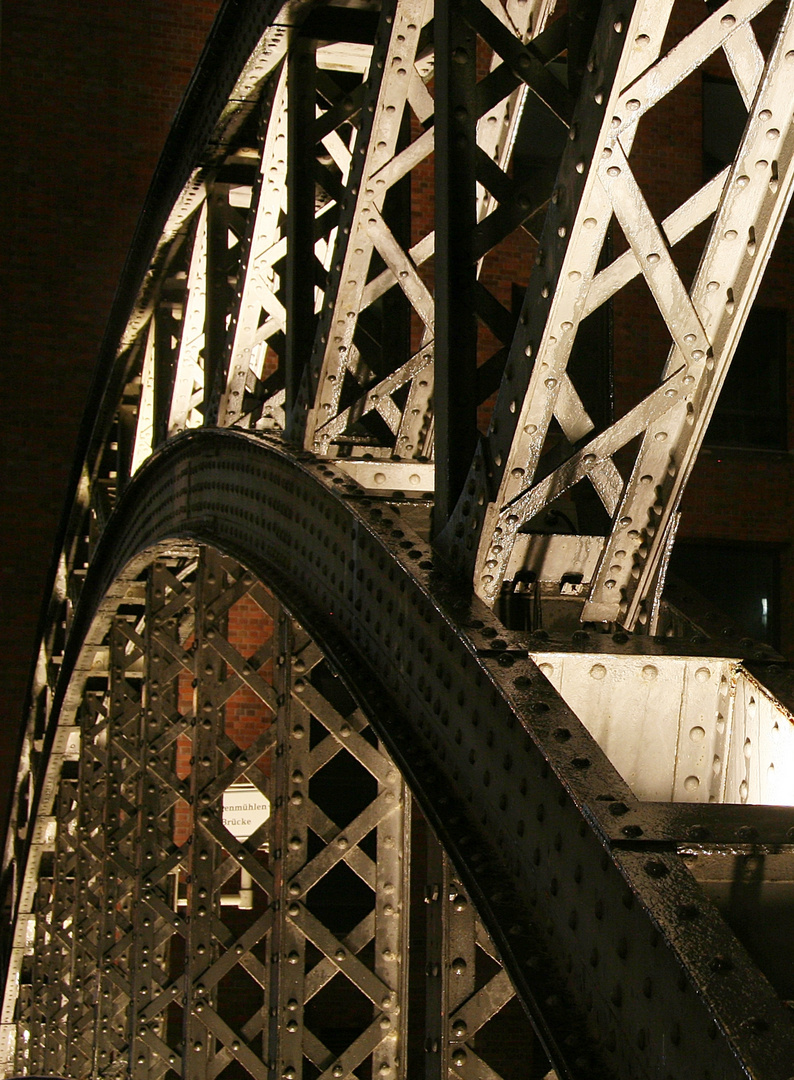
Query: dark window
(741,580)
(724,117)
(751,408)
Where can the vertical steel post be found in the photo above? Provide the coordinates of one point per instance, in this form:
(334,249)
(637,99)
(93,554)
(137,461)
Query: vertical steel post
(91,796)
(62,899)
(42,983)
(435,1056)
(142,938)
(79,1060)
(300,260)
(217,295)
(112,999)
(68,914)
(458,961)
(392,897)
(455,397)
(121,837)
(157,856)
(289,849)
(203,899)
(23,1010)
(165,330)
(450,961)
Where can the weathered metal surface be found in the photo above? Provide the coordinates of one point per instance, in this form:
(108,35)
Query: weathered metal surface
(525,841)
(350,256)
(614,837)
(681,729)
(158,977)
(626,79)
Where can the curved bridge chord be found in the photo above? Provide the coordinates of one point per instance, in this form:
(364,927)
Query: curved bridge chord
(355,748)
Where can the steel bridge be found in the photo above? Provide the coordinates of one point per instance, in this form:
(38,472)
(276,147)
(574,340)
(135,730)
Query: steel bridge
(357,747)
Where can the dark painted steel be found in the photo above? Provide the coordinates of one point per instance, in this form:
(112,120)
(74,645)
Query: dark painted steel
(623,963)
(455,398)
(300,260)
(504,771)
(112,1040)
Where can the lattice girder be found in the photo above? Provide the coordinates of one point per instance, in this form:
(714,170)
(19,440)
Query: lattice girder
(704,321)
(378,169)
(167,941)
(272,266)
(147,977)
(365,388)
(418,672)
(351,245)
(235,261)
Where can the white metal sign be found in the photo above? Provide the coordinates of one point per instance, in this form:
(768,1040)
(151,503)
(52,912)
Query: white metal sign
(245,808)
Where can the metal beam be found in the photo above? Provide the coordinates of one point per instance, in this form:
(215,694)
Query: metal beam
(567,774)
(572,790)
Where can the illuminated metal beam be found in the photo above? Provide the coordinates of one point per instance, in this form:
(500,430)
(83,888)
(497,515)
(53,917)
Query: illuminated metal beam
(570,782)
(705,322)
(429,689)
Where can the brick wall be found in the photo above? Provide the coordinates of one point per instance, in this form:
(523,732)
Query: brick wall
(88,94)
(245,715)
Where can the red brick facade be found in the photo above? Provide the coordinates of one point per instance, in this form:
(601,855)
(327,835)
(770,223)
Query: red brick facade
(88,93)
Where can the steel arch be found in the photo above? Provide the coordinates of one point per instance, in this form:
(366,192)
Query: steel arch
(237,492)
(578,876)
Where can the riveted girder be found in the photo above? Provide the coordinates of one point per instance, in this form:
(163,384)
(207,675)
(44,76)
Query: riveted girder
(360,368)
(214,899)
(342,272)
(627,79)
(594,890)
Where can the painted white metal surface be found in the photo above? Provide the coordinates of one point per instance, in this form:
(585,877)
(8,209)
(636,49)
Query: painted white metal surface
(681,729)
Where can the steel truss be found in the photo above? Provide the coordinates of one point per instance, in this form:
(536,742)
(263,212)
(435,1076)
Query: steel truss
(207,909)
(321,423)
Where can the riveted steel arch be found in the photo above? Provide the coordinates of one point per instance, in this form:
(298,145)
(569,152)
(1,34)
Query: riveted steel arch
(154,876)
(403,675)
(314,379)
